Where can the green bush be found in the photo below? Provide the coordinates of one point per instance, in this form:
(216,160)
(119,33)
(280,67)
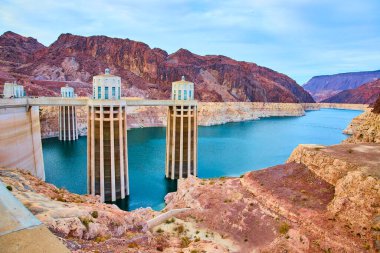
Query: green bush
(9,188)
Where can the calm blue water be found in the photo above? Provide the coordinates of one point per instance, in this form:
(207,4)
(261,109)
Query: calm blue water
(226,150)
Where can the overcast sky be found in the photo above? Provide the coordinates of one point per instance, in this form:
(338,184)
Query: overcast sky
(300,38)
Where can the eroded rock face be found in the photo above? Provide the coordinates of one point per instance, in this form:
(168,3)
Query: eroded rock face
(376,106)
(364,128)
(282,208)
(71,215)
(149,72)
(354,171)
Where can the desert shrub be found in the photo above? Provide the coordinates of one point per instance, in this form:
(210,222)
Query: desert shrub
(85,221)
(159,230)
(170,221)
(133,245)
(284,228)
(101,239)
(185,241)
(9,188)
(94,214)
(180,229)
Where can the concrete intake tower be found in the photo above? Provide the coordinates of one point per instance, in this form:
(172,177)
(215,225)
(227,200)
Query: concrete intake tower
(107,154)
(182,132)
(67,119)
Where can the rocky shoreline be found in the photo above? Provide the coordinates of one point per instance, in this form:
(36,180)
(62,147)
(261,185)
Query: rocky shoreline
(324,199)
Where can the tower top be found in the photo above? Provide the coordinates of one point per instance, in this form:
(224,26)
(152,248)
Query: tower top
(107,71)
(183,78)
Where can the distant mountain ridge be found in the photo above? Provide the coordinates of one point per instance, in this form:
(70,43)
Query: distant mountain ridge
(145,72)
(323,87)
(364,94)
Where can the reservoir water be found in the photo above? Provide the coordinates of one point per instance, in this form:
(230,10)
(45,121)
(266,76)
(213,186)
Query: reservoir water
(225,150)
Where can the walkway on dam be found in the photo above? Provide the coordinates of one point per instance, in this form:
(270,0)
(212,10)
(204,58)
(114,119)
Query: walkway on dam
(61,101)
(20,231)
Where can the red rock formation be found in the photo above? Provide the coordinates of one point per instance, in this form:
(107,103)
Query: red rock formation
(376,106)
(149,72)
(364,94)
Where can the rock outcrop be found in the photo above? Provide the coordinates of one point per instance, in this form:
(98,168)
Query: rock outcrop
(146,72)
(364,128)
(323,87)
(354,171)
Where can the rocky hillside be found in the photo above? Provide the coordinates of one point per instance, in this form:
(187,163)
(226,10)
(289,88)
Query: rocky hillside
(145,72)
(364,94)
(325,199)
(323,87)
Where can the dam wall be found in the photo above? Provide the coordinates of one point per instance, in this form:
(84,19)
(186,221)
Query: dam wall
(20,140)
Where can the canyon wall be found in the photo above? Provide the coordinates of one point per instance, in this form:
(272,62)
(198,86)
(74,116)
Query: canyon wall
(20,140)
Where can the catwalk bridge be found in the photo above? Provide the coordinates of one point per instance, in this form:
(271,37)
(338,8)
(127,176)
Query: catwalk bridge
(60,101)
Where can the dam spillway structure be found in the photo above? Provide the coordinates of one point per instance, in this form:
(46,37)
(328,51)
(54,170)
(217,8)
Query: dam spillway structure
(182,132)
(107,154)
(67,117)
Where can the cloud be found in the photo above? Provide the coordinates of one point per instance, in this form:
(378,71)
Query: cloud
(300,38)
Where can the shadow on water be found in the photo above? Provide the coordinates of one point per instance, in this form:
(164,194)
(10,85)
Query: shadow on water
(124,204)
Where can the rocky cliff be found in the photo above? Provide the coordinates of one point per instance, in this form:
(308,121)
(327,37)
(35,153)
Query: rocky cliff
(353,169)
(364,128)
(364,94)
(145,72)
(323,87)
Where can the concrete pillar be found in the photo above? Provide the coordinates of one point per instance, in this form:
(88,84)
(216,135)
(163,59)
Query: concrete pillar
(167,162)
(173,141)
(108,151)
(126,172)
(121,145)
(64,123)
(181,145)
(189,140)
(67,123)
(101,154)
(60,122)
(113,188)
(195,141)
(181,141)
(92,139)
